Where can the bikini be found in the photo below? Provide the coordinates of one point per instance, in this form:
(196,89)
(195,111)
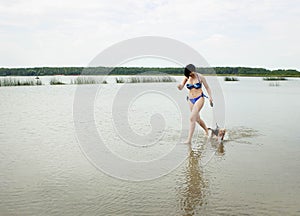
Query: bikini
(196,86)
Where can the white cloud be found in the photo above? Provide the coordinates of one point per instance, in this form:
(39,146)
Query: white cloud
(226,32)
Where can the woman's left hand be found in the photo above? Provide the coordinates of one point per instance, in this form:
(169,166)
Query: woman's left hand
(211,102)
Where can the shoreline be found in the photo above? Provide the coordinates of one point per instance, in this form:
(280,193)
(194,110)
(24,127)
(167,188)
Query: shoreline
(145,75)
(145,71)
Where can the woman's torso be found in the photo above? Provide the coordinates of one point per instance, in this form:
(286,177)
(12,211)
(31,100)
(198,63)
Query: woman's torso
(196,90)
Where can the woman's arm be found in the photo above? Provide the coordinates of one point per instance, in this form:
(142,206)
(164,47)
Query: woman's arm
(206,87)
(180,86)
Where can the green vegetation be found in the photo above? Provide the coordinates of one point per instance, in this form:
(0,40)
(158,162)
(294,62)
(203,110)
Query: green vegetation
(81,80)
(55,81)
(119,80)
(222,71)
(274,78)
(38,82)
(19,82)
(231,79)
(84,80)
(146,79)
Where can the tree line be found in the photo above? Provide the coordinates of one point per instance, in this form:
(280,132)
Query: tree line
(234,71)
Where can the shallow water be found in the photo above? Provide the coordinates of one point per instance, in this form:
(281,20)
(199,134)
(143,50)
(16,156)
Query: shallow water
(254,172)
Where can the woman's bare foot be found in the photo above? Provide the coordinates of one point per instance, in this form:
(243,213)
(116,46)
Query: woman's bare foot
(206,133)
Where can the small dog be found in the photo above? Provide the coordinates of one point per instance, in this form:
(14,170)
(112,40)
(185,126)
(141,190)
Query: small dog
(218,133)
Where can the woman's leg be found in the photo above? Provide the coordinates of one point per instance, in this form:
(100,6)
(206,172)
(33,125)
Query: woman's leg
(202,124)
(194,115)
(199,121)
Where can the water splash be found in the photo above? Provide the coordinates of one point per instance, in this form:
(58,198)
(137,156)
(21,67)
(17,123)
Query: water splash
(241,135)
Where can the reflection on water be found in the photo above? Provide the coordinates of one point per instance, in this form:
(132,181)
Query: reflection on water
(195,186)
(220,149)
(192,192)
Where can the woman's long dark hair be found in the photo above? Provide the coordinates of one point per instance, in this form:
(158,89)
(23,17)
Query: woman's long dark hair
(189,69)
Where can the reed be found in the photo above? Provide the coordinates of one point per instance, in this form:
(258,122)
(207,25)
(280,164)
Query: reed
(38,82)
(146,79)
(55,81)
(231,79)
(168,79)
(274,78)
(19,82)
(84,80)
(119,80)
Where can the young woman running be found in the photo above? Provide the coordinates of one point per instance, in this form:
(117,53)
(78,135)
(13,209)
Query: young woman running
(196,97)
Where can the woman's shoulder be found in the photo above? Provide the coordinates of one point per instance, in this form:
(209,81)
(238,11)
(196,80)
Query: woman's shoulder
(200,76)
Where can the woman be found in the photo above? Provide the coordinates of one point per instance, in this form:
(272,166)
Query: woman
(196,97)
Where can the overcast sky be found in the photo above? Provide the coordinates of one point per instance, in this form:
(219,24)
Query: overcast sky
(254,33)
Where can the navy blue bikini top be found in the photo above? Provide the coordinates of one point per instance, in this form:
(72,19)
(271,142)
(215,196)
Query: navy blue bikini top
(196,85)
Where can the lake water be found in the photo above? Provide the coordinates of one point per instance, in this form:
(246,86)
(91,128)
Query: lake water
(44,170)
